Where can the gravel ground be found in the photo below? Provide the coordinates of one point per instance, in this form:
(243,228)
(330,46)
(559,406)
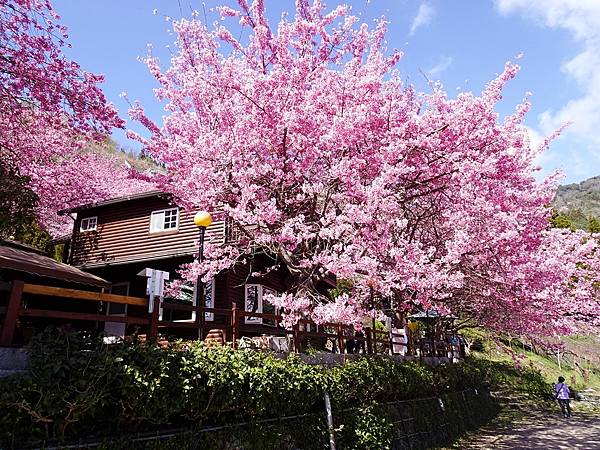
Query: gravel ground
(539,430)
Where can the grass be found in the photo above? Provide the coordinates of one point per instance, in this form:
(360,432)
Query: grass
(525,389)
(527,392)
(585,376)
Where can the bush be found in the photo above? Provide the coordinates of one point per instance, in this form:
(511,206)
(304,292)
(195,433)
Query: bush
(520,380)
(68,390)
(379,379)
(77,386)
(366,427)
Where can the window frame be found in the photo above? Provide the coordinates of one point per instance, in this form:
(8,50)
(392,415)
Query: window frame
(87,220)
(208,316)
(260,291)
(163,211)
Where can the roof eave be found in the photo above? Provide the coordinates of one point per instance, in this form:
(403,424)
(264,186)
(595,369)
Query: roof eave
(112,201)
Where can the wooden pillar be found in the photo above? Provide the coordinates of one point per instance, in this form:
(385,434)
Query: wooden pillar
(154,316)
(340,338)
(369,336)
(296,336)
(12,313)
(235,323)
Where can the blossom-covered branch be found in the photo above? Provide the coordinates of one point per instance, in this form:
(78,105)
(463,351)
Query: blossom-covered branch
(309,142)
(49,109)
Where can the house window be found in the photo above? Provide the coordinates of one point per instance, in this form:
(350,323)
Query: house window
(209,299)
(114,330)
(164,220)
(187,296)
(88,224)
(254,302)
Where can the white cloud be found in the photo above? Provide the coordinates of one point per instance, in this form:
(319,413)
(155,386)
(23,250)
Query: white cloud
(535,138)
(582,19)
(545,159)
(424,16)
(441,66)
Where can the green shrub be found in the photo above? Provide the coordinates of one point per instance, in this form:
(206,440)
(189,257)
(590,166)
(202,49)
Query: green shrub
(68,389)
(379,379)
(520,380)
(77,387)
(368,427)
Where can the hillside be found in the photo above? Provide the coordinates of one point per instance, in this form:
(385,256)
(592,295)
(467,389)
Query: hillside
(578,362)
(579,201)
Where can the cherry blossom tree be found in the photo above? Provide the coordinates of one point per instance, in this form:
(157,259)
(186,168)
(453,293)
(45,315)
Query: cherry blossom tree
(49,109)
(86,176)
(307,142)
(17,201)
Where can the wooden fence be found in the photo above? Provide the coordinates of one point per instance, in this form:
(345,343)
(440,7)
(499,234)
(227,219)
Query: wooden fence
(16,308)
(303,333)
(371,341)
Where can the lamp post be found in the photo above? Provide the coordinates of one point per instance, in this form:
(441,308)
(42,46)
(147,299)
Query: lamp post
(202,220)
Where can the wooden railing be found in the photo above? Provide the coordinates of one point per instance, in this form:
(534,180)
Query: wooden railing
(51,291)
(429,347)
(370,342)
(342,337)
(16,309)
(198,322)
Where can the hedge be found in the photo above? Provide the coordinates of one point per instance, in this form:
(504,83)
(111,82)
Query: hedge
(76,386)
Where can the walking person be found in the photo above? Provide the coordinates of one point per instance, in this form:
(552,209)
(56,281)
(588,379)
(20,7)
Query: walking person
(562,393)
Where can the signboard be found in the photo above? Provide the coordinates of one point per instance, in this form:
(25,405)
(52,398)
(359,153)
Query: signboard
(155,286)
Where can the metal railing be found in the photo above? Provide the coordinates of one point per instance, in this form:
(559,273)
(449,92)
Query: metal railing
(413,424)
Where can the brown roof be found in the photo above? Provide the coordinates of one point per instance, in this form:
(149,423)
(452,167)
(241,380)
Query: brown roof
(21,246)
(112,201)
(20,260)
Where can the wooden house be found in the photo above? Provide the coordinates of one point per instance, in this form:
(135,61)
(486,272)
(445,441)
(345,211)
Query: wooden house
(118,238)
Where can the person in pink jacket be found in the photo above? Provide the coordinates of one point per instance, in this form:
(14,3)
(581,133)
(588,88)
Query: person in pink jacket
(563,395)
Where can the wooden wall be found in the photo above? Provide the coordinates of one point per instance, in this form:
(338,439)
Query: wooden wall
(231,288)
(122,245)
(123,234)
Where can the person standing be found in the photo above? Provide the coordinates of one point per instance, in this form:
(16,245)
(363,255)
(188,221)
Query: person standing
(562,393)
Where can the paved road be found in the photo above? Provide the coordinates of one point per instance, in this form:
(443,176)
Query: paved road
(540,430)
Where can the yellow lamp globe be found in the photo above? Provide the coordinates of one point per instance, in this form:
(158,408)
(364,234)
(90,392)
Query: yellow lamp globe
(202,219)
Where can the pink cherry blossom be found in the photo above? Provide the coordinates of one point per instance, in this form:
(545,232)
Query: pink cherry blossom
(307,140)
(49,109)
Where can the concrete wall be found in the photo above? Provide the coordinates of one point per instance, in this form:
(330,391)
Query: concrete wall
(12,360)
(333,359)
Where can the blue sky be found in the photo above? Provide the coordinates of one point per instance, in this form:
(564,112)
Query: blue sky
(462,43)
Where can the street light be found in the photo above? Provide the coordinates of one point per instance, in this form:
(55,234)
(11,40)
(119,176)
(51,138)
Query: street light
(202,220)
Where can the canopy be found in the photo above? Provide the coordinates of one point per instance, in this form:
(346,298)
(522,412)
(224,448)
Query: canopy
(20,260)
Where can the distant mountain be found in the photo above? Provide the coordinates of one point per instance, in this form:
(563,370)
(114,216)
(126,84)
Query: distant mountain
(579,201)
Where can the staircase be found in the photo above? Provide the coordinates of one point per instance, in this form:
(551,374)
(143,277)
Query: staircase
(591,397)
(506,397)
